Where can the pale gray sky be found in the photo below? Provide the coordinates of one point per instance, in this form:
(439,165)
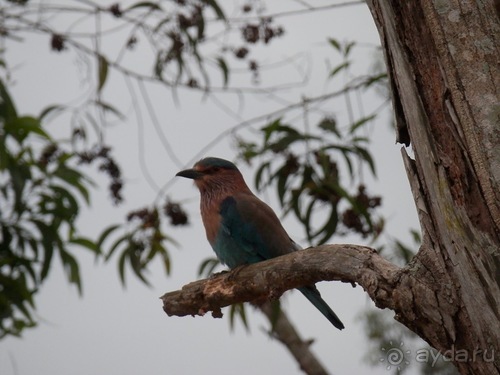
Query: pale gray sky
(112,330)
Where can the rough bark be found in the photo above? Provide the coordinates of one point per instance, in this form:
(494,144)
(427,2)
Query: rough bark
(269,279)
(442,59)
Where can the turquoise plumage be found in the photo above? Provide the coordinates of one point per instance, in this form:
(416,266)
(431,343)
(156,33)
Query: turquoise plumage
(240,227)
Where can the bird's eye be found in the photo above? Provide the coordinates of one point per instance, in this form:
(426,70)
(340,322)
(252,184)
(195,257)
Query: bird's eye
(214,170)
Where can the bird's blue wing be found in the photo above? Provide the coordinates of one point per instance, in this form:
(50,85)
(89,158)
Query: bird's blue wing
(249,232)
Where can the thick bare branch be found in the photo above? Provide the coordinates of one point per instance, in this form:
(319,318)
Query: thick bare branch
(269,279)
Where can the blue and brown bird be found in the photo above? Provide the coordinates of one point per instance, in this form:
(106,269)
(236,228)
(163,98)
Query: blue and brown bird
(240,227)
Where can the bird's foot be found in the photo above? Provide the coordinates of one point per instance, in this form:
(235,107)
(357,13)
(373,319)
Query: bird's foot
(235,271)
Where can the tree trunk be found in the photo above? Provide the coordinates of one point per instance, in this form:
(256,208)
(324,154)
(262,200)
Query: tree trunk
(443,64)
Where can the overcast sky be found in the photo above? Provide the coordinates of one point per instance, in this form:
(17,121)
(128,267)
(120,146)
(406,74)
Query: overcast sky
(112,330)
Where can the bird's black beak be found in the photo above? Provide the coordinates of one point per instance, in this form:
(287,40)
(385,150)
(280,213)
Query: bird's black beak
(190,173)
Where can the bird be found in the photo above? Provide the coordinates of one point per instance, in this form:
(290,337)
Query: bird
(240,227)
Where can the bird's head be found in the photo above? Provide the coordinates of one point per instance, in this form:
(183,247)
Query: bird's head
(215,175)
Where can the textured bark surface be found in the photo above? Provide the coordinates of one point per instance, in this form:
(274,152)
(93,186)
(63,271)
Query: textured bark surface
(443,65)
(270,279)
(442,59)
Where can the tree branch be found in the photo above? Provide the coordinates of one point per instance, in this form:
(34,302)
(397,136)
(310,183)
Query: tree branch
(270,279)
(284,331)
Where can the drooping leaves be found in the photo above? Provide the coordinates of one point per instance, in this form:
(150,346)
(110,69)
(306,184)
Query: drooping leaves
(305,168)
(102,70)
(40,196)
(42,190)
(142,242)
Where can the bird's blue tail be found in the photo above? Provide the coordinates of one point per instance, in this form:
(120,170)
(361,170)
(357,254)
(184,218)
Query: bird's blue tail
(312,294)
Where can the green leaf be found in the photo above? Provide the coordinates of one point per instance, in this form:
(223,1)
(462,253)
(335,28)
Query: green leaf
(17,293)
(121,267)
(20,174)
(276,127)
(104,235)
(329,124)
(47,239)
(74,178)
(66,205)
(135,262)
(287,140)
(218,10)
(361,122)
(348,162)
(247,150)
(156,247)
(329,228)
(109,108)
(71,267)
(258,175)
(7,109)
(166,265)
(375,79)
(339,68)
(208,266)
(282,184)
(6,239)
(270,128)
(5,156)
(306,219)
(416,236)
(238,309)
(334,43)
(365,154)
(404,251)
(348,47)
(144,4)
(296,202)
(21,127)
(102,70)
(69,175)
(275,313)
(201,27)
(338,147)
(118,242)
(53,108)
(85,242)
(159,65)
(355,140)
(225,71)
